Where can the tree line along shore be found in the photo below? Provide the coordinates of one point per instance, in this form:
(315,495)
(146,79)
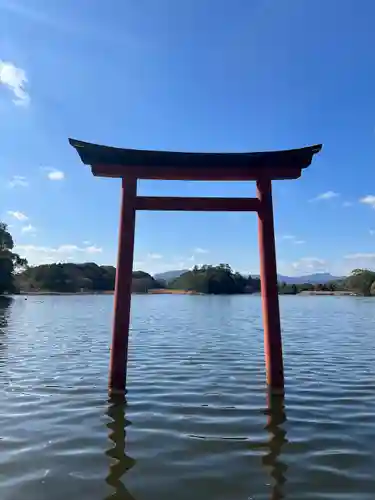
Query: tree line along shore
(16,276)
(86,278)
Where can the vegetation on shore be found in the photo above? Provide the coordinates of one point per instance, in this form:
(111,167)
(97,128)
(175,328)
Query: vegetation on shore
(17,276)
(79,278)
(216,280)
(219,279)
(10,262)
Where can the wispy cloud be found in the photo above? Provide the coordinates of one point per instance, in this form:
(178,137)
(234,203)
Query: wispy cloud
(372,232)
(53,174)
(201,250)
(36,254)
(18,181)
(310,264)
(328,195)
(17,215)
(368,200)
(28,229)
(360,260)
(91,249)
(15,80)
(360,255)
(347,204)
(70,25)
(293,239)
(154,256)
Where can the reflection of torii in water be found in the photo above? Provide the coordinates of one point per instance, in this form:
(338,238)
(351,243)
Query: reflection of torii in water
(275,413)
(275,419)
(117,434)
(5,302)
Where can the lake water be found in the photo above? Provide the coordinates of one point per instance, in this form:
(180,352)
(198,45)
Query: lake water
(197,424)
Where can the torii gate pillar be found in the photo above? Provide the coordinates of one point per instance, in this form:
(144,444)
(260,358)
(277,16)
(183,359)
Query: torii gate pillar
(131,165)
(123,288)
(270,296)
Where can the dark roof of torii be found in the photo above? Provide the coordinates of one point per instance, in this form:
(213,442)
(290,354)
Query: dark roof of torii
(94,154)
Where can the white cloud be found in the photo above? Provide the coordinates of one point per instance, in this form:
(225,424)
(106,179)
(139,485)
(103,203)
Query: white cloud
(201,250)
(360,260)
(154,256)
(355,260)
(76,248)
(360,255)
(17,215)
(93,249)
(18,181)
(45,255)
(15,80)
(368,200)
(54,175)
(160,265)
(28,229)
(341,266)
(347,204)
(293,239)
(372,232)
(309,265)
(328,195)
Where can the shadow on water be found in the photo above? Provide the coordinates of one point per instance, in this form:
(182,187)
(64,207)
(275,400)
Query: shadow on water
(276,417)
(121,462)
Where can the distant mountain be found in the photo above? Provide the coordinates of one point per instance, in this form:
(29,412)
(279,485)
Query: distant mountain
(170,275)
(308,278)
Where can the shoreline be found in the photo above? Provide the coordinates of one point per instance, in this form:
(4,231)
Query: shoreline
(166,291)
(157,291)
(23,294)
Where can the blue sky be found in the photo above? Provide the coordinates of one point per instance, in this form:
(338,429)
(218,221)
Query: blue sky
(194,75)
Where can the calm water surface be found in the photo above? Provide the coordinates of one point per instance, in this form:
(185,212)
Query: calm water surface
(197,424)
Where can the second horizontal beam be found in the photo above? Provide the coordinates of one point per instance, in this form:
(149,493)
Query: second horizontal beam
(197,204)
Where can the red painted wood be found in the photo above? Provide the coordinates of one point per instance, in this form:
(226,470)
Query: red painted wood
(122,299)
(270,297)
(197,204)
(195,174)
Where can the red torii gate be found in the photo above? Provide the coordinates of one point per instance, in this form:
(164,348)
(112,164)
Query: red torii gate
(131,165)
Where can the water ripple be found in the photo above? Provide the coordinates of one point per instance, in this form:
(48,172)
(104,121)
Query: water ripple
(197,421)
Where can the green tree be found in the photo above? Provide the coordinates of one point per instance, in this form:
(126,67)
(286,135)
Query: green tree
(142,282)
(10,262)
(360,281)
(215,280)
(85,277)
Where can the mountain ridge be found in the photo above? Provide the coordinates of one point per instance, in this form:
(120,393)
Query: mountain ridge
(314,278)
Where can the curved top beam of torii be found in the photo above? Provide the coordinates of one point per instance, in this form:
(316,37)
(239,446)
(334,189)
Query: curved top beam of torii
(144,164)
